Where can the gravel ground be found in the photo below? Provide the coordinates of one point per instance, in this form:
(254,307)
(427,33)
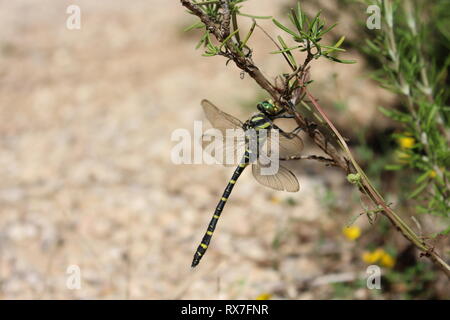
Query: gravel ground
(85,171)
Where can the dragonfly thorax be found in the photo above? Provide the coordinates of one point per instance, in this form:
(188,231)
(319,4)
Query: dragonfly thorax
(258,122)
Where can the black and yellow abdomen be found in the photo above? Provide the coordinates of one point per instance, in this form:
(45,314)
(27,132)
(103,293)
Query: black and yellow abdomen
(212,224)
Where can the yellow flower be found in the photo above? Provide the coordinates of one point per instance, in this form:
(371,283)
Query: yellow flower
(406,142)
(432,174)
(379,255)
(387,261)
(367,257)
(264,296)
(373,257)
(352,232)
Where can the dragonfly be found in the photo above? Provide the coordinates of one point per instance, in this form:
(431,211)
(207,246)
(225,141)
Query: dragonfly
(266,134)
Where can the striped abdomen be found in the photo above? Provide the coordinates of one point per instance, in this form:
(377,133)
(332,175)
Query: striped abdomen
(212,225)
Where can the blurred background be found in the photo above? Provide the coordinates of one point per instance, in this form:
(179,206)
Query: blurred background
(86,177)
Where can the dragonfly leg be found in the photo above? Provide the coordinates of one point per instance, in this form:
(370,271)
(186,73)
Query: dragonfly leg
(285,116)
(296,130)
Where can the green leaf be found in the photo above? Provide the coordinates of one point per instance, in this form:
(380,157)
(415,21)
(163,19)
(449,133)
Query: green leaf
(431,115)
(372,46)
(340,41)
(396,115)
(339,60)
(202,40)
(295,20)
(299,14)
(313,27)
(327,30)
(254,17)
(197,25)
(228,38)
(282,27)
(422,177)
(287,53)
(249,34)
(331,49)
(393,167)
(347,61)
(418,190)
(285,50)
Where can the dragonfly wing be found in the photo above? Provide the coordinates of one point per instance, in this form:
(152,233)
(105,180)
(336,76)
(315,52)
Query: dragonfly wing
(219,119)
(225,149)
(289,145)
(283,179)
(228,145)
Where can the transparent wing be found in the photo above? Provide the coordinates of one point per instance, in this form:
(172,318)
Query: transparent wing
(227,149)
(219,119)
(275,177)
(285,144)
(290,145)
(228,145)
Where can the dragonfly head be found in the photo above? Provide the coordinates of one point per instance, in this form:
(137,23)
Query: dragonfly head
(269,108)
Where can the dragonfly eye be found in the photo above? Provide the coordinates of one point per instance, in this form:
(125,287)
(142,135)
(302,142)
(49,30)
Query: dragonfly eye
(268,107)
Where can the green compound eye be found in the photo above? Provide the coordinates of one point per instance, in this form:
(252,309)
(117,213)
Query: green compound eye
(269,107)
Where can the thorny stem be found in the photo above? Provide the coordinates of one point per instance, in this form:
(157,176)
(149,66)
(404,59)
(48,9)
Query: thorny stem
(225,27)
(243,62)
(347,163)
